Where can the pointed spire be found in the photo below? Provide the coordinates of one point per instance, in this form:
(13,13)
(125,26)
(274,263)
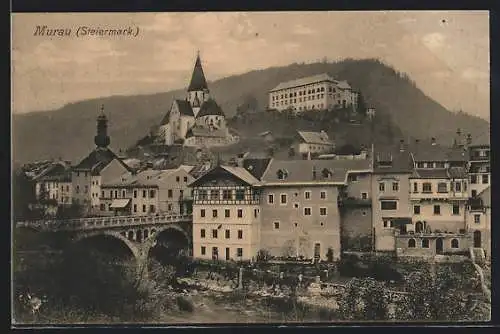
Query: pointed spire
(198,81)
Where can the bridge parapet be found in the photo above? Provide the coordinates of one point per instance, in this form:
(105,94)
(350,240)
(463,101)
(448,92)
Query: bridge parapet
(103,222)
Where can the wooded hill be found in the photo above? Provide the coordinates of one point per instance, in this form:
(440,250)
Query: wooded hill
(403,110)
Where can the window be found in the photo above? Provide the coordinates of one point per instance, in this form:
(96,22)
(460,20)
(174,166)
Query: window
(185,179)
(456,209)
(240,213)
(458,187)
(202,233)
(416,209)
(240,234)
(473,179)
(322,211)
(214,233)
(381,186)
(177,179)
(427,187)
(169,208)
(322,195)
(102,194)
(202,193)
(255,213)
(123,193)
(474,193)
(477,219)
(103,207)
(144,208)
(388,205)
(283,198)
(276,225)
(485,179)
(227,213)
(454,243)
(228,234)
(152,208)
(202,213)
(307,195)
(239,252)
(240,194)
(307,211)
(144,194)
(395,186)
(411,243)
(226,195)
(86,189)
(270,198)
(214,213)
(135,207)
(152,194)
(437,209)
(352,177)
(214,195)
(388,224)
(135,193)
(442,187)
(425,243)
(415,187)
(203,250)
(364,195)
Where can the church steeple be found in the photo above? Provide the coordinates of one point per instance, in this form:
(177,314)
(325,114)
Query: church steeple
(102,139)
(198,81)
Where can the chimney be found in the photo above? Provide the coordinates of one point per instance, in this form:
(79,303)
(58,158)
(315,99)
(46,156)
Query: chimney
(401,145)
(314,172)
(469,139)
(433,141)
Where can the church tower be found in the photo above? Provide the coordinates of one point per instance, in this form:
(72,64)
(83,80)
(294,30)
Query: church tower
(102,139)
(198,89)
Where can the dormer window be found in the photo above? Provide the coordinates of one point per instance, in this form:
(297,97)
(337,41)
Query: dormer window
(282,174)
(326,173)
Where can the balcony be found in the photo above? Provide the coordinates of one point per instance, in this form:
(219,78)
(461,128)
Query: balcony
(435,234)
(355,202)
(449,195)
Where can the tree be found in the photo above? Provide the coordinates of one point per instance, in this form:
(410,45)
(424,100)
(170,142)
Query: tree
(329,254)
(361,105)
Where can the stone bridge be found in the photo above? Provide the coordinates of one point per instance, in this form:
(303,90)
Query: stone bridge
(138,233)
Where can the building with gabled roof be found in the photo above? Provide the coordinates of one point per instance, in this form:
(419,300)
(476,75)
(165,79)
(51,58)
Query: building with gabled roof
(316,92)
(226,214)
(197,120)
(312,143)
(148,192)
(100,166)
(301,205)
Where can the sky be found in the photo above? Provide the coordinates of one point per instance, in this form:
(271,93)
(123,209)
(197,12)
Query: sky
(445,52)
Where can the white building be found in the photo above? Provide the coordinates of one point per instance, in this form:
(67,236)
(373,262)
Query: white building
(148,192)
(226,214)
(309,142)
(198,120)
(100,166)
(317,92)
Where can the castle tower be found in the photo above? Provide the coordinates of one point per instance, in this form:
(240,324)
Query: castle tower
(102,139)
(198,89)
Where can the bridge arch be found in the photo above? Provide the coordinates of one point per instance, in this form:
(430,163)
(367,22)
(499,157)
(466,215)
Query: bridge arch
(159,235)
(115,234)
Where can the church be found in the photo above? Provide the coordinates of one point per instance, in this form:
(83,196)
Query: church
(196,121)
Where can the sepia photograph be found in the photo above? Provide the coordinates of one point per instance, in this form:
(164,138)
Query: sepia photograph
(193,168)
